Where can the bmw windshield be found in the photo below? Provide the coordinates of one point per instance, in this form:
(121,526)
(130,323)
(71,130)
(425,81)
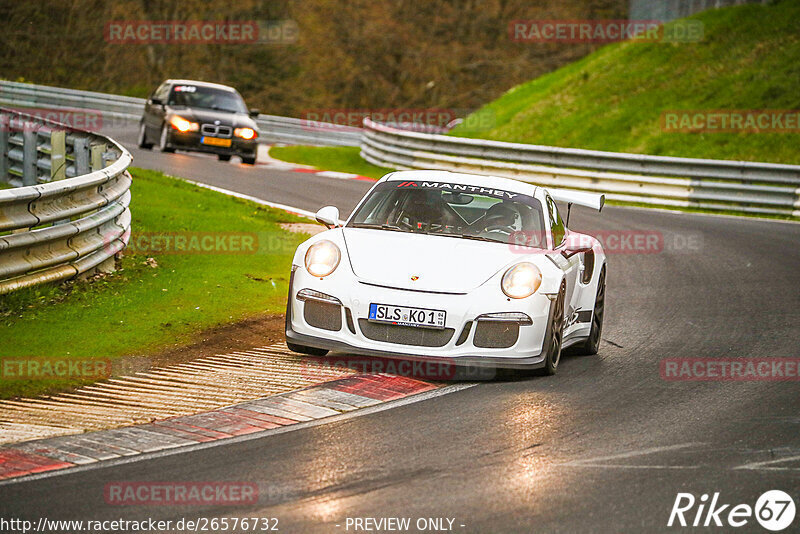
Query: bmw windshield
(454,210)
(197,96)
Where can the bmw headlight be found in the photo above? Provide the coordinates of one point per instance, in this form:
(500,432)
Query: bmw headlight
(182,125)
(522,280)
(245,133)
(322,258)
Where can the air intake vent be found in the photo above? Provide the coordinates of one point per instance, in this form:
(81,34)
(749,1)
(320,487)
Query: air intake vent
(496,334)
(464,334)
(405,335)
(588,267)
(323,315)
(349,316)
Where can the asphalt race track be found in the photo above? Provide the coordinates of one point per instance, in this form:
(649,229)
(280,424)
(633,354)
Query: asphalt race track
(604,446)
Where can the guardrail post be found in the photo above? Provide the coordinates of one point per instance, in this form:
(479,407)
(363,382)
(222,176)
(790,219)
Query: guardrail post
(81,153)
(96,156)
(5,126)
(58,155)
(30,154)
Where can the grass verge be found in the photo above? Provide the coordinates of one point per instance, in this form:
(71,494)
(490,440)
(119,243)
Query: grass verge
(613,99)
(150,305)
(341,159)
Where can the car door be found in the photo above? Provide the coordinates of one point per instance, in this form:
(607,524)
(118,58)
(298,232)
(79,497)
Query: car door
(570,264)
(154,111)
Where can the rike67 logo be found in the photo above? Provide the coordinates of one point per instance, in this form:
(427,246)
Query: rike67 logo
(774,510)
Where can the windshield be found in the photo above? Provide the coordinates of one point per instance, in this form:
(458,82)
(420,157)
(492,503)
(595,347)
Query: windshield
(455,210)
(196,96)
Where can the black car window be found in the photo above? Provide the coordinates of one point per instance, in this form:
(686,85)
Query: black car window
(197,96)
(162,92)
(453,210)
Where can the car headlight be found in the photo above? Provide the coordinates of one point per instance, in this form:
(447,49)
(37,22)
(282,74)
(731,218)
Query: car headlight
(322,258)
(182,125)
(245,133)
(522,280)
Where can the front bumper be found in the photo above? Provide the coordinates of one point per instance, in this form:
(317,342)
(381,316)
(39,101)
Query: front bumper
(193,141)
(347,332)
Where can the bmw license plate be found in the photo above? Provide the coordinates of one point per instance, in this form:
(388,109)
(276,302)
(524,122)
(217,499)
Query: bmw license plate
(406,316)
(215,141)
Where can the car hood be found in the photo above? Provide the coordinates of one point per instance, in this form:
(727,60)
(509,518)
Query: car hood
(443,264)
(209,116)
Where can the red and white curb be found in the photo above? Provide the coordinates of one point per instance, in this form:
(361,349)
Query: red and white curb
(264,160)
(332,174)
(255,418)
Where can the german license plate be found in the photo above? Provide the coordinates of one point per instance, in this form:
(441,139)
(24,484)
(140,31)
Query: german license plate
(406,316)
(215,141)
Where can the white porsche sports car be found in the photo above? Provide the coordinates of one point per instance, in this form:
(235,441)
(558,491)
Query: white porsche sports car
(434,265)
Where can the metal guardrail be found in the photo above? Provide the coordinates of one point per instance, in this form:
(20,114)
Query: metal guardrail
(286,130)
(656,180)
(272,128)
(750,187)
(70,215)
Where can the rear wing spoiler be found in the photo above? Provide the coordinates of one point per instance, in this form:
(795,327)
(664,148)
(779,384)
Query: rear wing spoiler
(581,198)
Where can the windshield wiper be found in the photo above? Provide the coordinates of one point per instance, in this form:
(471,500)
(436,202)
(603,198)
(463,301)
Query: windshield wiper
(475,237)
(374,226)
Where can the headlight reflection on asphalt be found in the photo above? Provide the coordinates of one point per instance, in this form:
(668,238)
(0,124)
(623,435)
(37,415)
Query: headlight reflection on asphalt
(528,426)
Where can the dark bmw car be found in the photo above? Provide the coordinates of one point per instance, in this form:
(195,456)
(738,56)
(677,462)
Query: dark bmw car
(199,116)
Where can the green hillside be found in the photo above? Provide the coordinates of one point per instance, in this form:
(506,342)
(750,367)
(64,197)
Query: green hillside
(613,99)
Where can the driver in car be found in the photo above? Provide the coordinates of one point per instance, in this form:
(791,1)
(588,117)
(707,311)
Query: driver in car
(500,218)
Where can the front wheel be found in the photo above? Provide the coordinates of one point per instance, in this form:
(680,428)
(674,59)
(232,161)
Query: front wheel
(249,160)
(592,345)
(302,349)
(555,335)
(163,142)
(224,157)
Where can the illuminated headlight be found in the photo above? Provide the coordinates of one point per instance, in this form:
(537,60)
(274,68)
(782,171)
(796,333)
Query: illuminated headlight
(245,133)
(322,258)
(182,125)
(521,280)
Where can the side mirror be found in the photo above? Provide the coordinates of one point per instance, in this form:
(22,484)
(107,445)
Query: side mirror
(156,102)
(571,251)
(254,113)
(329,216)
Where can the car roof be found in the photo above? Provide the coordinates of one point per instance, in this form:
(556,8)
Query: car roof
(495,182)
(202,84)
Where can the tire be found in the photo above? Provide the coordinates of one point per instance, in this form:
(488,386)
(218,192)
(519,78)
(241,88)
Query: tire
(311,351)
(224,157)
(555,335)
(163,141)
(249,160)
(591,345)
(142,142)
